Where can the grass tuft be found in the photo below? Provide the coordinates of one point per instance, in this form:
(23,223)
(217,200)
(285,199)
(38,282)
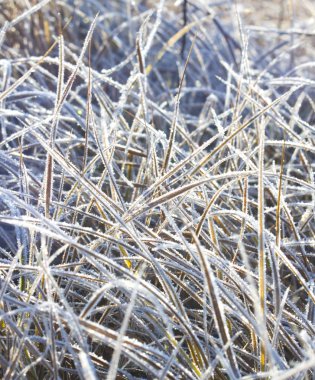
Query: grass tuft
(157,190)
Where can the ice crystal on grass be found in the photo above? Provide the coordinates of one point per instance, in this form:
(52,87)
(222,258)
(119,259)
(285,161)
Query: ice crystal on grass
(157,189)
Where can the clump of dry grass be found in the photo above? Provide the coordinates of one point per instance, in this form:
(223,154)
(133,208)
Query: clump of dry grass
(156,190)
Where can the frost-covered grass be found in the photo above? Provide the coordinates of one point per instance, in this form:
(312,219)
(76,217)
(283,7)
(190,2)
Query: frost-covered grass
(157,189)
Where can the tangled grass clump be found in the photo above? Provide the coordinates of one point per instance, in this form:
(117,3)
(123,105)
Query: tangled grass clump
(157,190)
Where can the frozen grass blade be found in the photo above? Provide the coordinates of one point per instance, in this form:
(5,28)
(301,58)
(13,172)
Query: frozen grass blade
(261,242)
(171,139)
(217,306)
